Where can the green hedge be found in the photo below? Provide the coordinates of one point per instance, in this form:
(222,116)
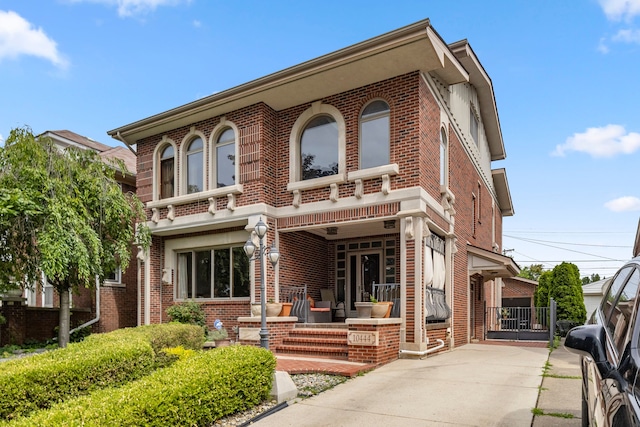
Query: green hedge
(193,391)
(100,361)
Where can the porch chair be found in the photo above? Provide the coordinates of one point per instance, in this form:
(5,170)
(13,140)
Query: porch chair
(337,309)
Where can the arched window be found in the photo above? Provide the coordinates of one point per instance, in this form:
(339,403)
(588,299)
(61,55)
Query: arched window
(195,173)
(226,158)
(319,148)
(167,171)
(374,135)
(443,157)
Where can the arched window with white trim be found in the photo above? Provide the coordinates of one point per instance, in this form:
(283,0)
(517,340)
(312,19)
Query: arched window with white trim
(319,148)
(167,172)
(226,158)
(195,166)
(443,157)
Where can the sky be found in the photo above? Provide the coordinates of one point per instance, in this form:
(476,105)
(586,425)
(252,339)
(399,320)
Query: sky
(565,78)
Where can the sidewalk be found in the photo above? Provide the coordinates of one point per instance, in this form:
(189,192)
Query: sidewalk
(560,393)
(474,385)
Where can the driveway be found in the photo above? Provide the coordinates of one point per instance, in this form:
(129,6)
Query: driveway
(474,385)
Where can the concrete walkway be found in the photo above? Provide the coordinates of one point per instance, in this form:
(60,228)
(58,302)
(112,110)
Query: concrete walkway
(474,385)
(561,391)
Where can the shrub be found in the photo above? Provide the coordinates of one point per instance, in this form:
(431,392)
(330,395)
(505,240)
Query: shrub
(189,312)
(101,360)
(194,391)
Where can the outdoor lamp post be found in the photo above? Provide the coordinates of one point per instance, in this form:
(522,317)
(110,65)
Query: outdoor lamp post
(273,255)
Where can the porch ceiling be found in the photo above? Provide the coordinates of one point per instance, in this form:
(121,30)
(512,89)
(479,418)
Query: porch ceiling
(374,227)
(490,264)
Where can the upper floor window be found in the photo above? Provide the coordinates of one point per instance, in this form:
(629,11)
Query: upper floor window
(473,125)
(226,158)
(167,172)
(443,157)
(374,135)
(195,165)
(319,148)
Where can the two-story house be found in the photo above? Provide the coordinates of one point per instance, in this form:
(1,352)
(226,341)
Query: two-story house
(370,165)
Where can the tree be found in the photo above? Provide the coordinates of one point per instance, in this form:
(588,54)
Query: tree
(566,290)
(541,297)
(590,279)
(62,213)
(532,272)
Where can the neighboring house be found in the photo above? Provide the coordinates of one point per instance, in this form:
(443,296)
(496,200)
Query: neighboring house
(371,164)
(108,307)
(593,293)
(518,292)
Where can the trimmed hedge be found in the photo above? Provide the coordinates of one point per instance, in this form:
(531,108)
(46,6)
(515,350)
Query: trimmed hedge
(193,391)
(100,361)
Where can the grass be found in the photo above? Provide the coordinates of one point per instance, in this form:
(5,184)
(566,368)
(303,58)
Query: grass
(539,412)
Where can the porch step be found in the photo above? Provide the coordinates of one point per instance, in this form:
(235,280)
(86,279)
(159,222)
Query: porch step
(316,341)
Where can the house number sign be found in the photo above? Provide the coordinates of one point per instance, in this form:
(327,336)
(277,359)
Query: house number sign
(362,338)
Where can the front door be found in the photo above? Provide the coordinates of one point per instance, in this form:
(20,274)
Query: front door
(365,269)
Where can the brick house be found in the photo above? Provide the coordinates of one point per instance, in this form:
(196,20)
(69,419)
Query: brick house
(370,165)
(112,305)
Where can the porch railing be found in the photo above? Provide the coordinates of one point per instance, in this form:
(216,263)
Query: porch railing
(388,292)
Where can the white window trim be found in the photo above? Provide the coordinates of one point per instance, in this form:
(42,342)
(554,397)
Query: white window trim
(377,116)
(444,165)
(174,246)
(193,134)
(194,197)
(295,181)
(117,282)
(156,167)
(215,133)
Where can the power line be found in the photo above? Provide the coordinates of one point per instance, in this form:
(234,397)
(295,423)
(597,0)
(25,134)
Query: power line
(537,242)
(566,243)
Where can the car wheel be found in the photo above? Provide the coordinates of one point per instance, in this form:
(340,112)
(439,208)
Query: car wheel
(585,407)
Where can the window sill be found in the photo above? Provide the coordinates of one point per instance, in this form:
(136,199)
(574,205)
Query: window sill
(195,197)
(113,284)
(376,172)
(310,184)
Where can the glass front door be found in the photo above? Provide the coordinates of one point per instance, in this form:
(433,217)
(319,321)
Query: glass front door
(365,269)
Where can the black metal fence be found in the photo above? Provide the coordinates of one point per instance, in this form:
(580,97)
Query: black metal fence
(519,323)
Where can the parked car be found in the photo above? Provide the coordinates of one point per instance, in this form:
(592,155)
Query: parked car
(609,354)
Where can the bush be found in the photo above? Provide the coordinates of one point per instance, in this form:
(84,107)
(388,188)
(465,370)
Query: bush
(99,361)
(189,312)
(195,390)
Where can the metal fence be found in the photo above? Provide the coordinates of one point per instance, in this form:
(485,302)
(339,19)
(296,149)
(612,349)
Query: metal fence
(528,323)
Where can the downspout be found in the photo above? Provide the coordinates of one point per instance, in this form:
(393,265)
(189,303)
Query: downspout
(424,352)
(121,139)
(97,318)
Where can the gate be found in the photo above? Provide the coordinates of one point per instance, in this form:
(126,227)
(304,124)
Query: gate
(518,323)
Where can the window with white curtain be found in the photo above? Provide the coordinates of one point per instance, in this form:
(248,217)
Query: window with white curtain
(213,273)
(374,135)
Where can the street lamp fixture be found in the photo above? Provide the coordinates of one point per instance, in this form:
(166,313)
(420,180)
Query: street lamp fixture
(274,255)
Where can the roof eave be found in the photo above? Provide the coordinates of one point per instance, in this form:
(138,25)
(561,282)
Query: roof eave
(503,193)
(416,47)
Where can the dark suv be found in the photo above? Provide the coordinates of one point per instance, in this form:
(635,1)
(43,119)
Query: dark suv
(610,354)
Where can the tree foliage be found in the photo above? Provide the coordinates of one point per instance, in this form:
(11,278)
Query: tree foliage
(541,296)
(532,272)
(590,279)
(566,290)
(62,213)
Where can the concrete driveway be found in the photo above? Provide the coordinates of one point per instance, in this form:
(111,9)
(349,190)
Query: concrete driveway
(474,385)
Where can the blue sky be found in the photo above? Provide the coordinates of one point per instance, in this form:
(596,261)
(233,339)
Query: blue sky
(565,77)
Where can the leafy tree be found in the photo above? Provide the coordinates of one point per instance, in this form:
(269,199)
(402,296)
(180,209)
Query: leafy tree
(62,213)
(590,279)
(532,272)
(566,290)
(541,297)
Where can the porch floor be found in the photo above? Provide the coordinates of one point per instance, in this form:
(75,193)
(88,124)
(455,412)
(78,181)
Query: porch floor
(293,364)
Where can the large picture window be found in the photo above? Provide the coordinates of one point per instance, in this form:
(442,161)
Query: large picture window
(319,148)
(374,135)
(213,273)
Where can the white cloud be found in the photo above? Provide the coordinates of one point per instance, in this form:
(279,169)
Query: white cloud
(617,10)
(128,8)
(197,23)
(624,204)
(19,37)
(606,141)
(602,46)
(627,36)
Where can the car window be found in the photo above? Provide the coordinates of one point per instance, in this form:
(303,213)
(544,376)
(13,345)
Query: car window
(621,312)
(619,280)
